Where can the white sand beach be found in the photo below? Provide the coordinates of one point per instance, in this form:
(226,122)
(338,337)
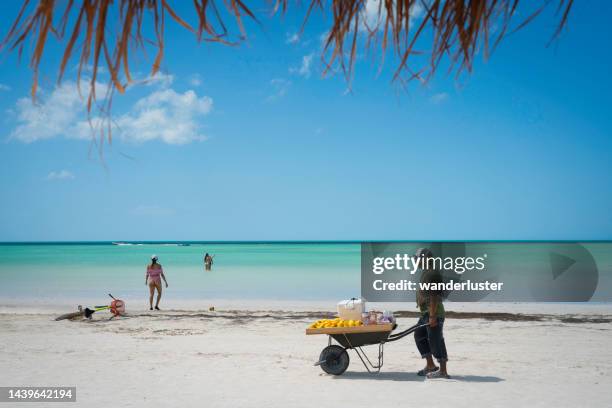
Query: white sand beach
(264,359)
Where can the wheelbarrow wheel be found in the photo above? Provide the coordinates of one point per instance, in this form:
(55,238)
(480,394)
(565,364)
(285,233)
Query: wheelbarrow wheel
(334,359)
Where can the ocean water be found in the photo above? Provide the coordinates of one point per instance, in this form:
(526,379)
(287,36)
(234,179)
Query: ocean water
(241,271)
(86,272)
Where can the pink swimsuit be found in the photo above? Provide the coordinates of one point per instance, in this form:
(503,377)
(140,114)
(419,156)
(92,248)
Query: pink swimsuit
(154,275)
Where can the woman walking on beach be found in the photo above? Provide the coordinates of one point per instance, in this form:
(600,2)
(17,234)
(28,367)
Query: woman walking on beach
(153,277)
(430,339)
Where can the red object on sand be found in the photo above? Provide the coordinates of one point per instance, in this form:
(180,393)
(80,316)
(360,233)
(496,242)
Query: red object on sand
(117,307)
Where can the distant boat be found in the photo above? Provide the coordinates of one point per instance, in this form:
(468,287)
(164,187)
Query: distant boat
(184,244)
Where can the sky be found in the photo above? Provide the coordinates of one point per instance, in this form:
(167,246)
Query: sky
(254,142)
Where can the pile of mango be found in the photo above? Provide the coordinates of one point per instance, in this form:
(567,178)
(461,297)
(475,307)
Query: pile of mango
(337,322)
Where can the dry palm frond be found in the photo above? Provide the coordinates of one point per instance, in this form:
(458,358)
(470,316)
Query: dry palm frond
(458,29)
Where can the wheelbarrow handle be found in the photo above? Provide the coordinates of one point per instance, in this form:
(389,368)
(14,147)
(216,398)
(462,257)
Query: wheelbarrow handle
(406,332)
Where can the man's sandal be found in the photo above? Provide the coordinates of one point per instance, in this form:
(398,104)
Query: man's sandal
(426,371)
(437,374)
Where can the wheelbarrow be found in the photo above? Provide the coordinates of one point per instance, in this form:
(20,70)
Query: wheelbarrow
(334,358)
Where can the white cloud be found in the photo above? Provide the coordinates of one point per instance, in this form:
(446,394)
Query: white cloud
(4,87)
(280,88)
(60,175)
(416,11)
(305,68)
(292,38)
(195,80)
(51,116)
(373,15)
(438,98)
(165,115)
(88,68)
(159,79)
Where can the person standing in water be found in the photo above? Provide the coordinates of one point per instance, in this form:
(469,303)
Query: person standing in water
(208,261)
(430,339)
(153,277)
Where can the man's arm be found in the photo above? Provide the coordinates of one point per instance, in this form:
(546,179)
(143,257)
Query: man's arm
(433,309)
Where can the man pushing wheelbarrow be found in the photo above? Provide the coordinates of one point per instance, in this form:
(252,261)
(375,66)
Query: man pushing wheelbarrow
(354,334)
(429,336)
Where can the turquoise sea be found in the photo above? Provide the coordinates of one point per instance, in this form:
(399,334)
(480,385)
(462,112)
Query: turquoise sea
(80,272)
(273,271)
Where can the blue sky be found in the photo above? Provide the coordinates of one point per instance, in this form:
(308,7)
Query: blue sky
(252,143)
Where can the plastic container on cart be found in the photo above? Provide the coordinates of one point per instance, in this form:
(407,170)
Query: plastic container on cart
(351,309)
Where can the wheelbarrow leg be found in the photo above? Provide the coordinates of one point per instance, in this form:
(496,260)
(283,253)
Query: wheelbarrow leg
(364,357)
